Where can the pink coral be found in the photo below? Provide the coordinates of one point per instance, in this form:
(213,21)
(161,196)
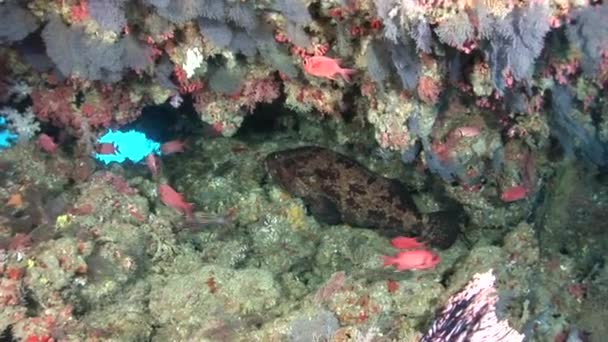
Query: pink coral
(394,138)
(100,107)
(80,11)
(54,105)
(97,112)
(185,85)
(46,143)
(263,90)
(428,90)
(306,97)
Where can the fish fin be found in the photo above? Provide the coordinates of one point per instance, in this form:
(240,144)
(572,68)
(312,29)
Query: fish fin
(345,73)
(441,228)
(387,260)
(324,210)
(188,208)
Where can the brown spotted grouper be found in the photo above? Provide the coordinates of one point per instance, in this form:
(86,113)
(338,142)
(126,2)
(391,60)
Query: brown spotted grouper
(338,189)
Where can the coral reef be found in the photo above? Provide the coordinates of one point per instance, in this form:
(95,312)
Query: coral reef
(496,107)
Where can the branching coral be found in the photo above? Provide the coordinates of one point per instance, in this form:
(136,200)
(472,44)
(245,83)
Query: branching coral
(77,54)
(589,34)
(15,22)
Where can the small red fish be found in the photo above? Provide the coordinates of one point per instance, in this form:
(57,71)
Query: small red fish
(467,131)
(412,260)
(174,199)
(173,146)
(106,148)
(514,193)
(152,163)
(326,67)
(402,242)
(46,143)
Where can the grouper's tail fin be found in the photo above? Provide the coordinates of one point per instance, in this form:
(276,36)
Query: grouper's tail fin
(441,228)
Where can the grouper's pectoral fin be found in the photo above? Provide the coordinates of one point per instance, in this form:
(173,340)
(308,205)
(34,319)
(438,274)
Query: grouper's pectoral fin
(323,209)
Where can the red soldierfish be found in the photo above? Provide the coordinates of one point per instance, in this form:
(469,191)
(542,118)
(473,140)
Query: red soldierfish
(514,193)
(106,148)
(402,242)
(412,260)
(152,163)
(172,146)
(326,67)
(466,131)
(174,199)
